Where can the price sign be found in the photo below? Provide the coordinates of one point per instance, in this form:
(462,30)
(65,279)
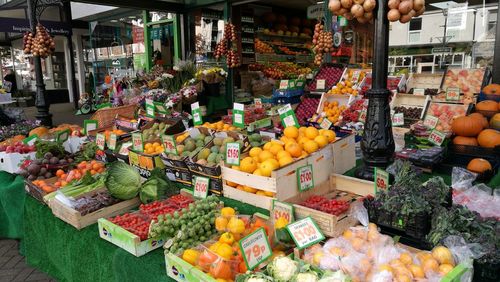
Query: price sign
(112,141)
(283,84)
(362,116)
(62,136)
(200,186)
(437,137)
(30,140)
(256,248)
(280,209)
(305,232)
(305,178)
(355,76)
(161,108)
(431,121)
(418,91)
(398,119)
(320,84)
(258,103)
(326,123)
(196,113)
(287,116)
(137,142)
(169,144)
(100,141)
(239,115)
(452,94)
(89,125)
(150,108)
(381,179)
(233,153)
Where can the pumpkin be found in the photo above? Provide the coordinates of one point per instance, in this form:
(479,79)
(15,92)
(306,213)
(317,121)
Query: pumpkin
(492,89)
(483,120)
(40,131)
(466,126)
(479,165)
(495,122)
(468,141)
(489,138)
(487,105)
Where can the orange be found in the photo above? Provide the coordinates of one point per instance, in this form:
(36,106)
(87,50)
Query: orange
(282,154)
(430,264)
(256,159)
(385,267)
(269,194)
(232,184)
(267,146)
(445,268)
(304,154)
(302,140)
(285,160)
(416,271)
(291,132)
(275,148)
(265,155)
(302,129)
(311,132)
(267,167)
(293,149)
(255,151)
(275,163)
(321,140)
(248,165)
(330,135)
(406,258)
(249,189)
(257,172)
(311,146)
(235,167)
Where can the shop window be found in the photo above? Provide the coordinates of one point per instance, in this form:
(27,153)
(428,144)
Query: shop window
(414,29)
(492,21)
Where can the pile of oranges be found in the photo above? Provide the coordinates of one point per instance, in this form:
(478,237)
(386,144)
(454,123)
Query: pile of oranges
(332,111)
(219,126)
(153,148)
(344,88)
(295,143)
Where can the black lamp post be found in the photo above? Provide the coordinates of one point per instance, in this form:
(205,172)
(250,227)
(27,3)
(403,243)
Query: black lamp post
(378,143)
(35,10)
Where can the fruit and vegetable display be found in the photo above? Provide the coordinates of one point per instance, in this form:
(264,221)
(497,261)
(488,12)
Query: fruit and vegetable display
(280,70)
(331,111)
(331,75)
(155,131)
(251,114)
(307,106)
(344,88)
(45,167)
(409,112)
(331,206)
(393,83)
(17,147)
(472,130)
(39,44)
(213,154)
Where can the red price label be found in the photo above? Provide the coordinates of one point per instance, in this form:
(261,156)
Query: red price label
(431,121)
(256,248)
(305,232)
(100,141)
(233,153)
(305,179)
(137,143)
(169,144)
(436,137)
(201,187)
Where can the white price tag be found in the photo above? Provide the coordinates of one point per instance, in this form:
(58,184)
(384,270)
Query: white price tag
(398,119)
(89,125)
(282,210)
(437,137)
(418,91)
(200,187)
(305,178)
(305,233)
(256,248)
(284,84)
(137,142)
(233,153)
(431,121)
(326,123)
(320,84)
(100,141)
(112,141)
(381,179)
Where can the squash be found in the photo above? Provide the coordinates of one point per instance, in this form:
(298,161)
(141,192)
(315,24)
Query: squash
(40,131)
(466,126)
(480,117)
(489,138)
(487,105)
(468,141)
(479,165)
(495,122)
(492,89)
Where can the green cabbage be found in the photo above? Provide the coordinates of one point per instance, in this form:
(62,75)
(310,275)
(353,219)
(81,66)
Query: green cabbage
(123,181)
(156,187)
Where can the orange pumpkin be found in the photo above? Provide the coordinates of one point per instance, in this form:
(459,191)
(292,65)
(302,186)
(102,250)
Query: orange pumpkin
(466,126)
(480,117)
(40,131)
(492,89)
(495,122)
(462,140)
(479,165)
(487,105)
(489,138)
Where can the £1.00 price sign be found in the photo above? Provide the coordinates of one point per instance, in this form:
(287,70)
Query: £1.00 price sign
(305,232)
(233,153)
(256,248)
(112,141)
(100,141)
(437,137)
(200,187)
(169,144)
(305,178)
(381,179)
(137,142)
(282,210)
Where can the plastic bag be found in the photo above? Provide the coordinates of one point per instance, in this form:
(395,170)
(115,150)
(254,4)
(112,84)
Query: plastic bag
(359,212)
(464,254)
(461,178)
(479,198)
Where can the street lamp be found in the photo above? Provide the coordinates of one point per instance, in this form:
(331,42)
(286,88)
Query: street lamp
(35,10)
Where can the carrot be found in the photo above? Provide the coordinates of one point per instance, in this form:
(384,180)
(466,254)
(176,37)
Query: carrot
(59,172)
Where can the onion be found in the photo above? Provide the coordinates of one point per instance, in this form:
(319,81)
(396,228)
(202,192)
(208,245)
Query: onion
(362,20)
(368,16)
(405,18)
(360,2)
(412,13)
(357,10)
(342,11)
(405,7)
(346,3)
(334,5)
(418,4)
(393,4)
(420,12)
(369,5)
(393,15)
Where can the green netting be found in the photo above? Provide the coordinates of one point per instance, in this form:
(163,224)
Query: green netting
(12,197)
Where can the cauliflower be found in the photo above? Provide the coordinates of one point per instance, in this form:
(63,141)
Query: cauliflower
(306,277)
(337,276)
(255,277)
(282,268)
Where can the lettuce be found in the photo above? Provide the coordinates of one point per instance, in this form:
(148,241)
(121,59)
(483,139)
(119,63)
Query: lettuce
(123,181)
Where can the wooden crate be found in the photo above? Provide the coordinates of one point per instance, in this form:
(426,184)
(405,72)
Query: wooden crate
(424,80)
(35,191)
(339,187)
(74,218)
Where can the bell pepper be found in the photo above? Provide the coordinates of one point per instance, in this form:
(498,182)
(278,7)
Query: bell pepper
(227,238)
(225,251)
(190,256)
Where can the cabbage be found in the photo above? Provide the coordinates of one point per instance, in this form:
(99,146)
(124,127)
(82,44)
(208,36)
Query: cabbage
(122,181)
(156,187)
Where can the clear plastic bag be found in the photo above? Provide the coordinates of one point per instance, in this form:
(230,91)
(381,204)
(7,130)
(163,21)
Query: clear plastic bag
(358,211)
(479,198)
(461,178)
(464,254)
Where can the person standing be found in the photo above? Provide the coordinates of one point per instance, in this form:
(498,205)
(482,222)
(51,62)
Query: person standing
(11,77)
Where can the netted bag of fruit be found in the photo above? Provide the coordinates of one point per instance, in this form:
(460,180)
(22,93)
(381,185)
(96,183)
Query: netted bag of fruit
(219,260)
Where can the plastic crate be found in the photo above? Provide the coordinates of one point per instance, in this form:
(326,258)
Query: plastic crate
(483,97)
(287,100)
(456,158)
(280,93)
(486,272)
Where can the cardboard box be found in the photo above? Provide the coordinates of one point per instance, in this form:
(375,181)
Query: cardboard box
(145,163)
(183,176)
(336,187)
(215,185)
(11,162)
